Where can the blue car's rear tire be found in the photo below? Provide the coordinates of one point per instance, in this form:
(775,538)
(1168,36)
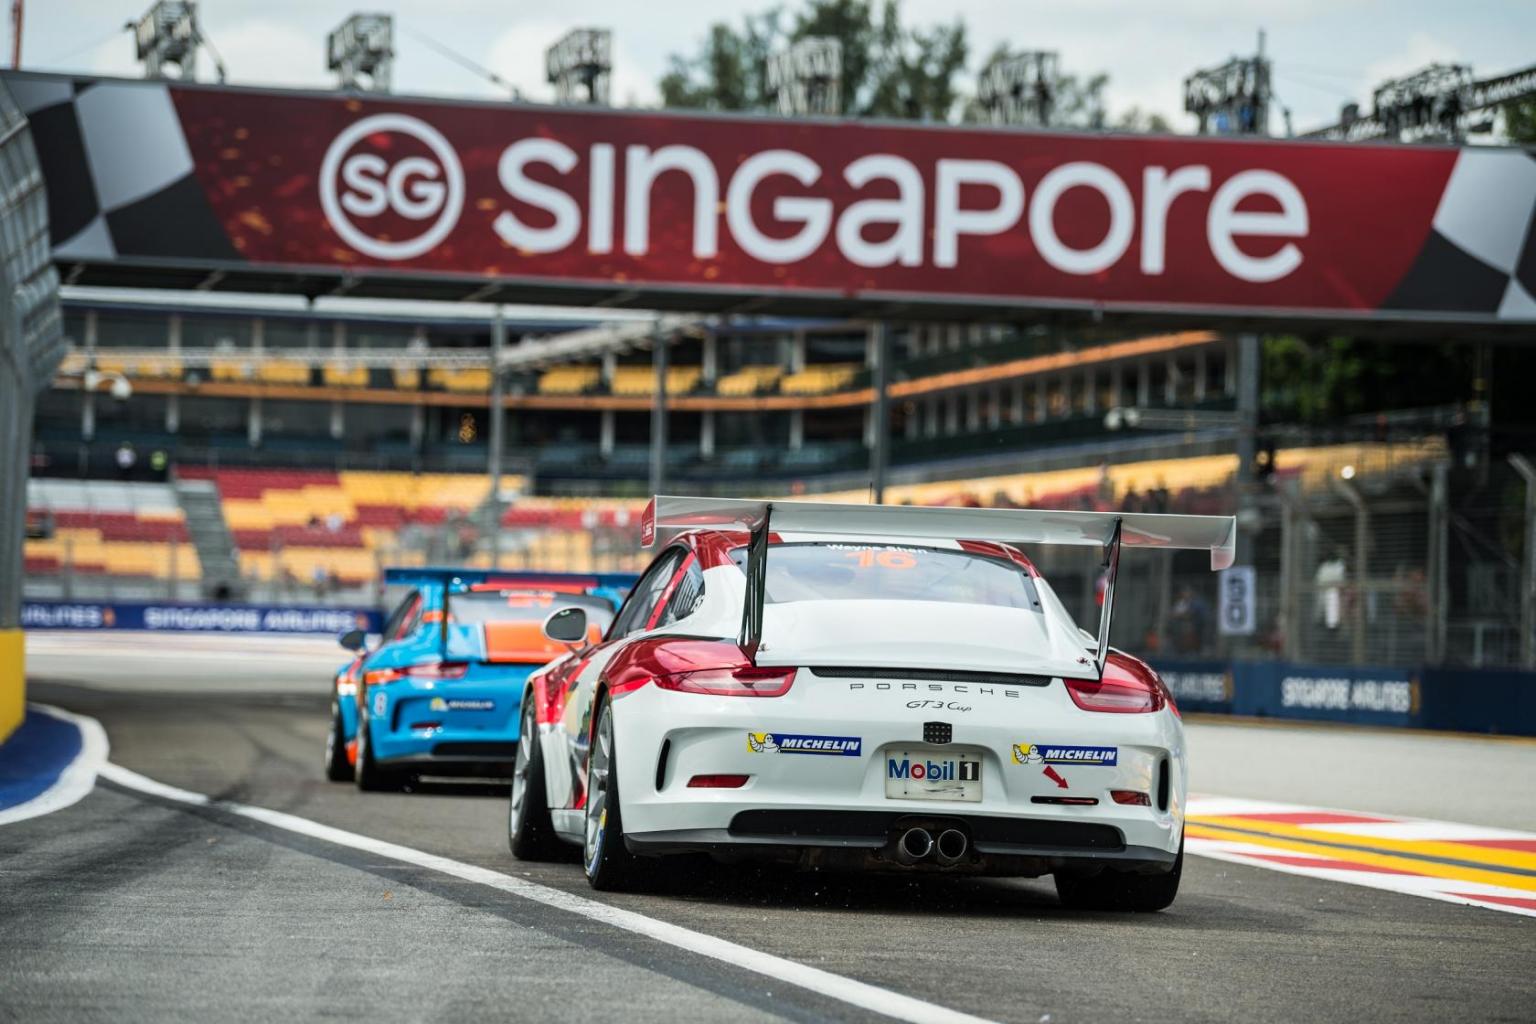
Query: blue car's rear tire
(371,777)
(337,767)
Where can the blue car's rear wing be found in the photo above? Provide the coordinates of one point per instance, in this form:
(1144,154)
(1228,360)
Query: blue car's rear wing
(452,579)
(451,576)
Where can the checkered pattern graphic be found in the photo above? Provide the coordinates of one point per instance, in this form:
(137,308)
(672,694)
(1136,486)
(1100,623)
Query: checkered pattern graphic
(1480,256)
(119,172)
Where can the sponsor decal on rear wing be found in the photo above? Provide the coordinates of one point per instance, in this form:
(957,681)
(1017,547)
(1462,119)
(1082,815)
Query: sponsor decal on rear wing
(1110,531)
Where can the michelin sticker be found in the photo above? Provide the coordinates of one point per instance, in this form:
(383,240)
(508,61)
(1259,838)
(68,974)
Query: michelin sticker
(786,743)
(462,704)
(1030,753)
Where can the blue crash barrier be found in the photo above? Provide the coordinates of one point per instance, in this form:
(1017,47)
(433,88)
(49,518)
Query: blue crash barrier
(171,617)
(1464,700)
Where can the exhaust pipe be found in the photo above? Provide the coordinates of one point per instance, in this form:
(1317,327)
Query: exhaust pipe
(914,845)
(951,846)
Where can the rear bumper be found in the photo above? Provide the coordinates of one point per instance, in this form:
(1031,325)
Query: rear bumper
(866,840)
(470,721)
(839,798)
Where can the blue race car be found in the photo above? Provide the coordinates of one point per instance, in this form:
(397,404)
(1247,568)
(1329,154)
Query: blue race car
(439,693)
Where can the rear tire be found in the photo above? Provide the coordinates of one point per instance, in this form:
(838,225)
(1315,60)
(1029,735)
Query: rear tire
(1115,890)
(337,767)
(370,777)
(530,832)
(609,865)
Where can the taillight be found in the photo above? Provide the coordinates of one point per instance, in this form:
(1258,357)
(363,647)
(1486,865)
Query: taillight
(1130,798)
(1119,695)
(746,681)
(429,670)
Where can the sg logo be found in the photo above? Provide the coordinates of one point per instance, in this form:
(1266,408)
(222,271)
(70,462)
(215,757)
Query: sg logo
(357,182)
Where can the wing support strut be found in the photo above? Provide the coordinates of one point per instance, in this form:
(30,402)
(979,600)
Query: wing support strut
(1111,566)
(751,637)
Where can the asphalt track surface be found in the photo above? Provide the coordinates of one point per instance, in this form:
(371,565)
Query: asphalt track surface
(128,906)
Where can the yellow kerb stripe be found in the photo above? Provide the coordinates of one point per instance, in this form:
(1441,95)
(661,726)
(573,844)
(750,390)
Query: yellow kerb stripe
(1490,856)
(1430,869)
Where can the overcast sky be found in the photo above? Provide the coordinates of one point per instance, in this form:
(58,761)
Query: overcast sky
(1325,52)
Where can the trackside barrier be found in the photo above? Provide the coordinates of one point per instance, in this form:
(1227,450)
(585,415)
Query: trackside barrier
(197,618)
(1460,699)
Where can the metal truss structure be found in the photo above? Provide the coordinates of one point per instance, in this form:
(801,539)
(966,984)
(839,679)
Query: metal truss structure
(807,78)
(1440,103)
(1020,90)
(580,66)
(362,52)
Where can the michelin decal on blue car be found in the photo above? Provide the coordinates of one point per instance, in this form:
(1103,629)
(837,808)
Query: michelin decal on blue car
(1031,753)
(788,743)
(462,704)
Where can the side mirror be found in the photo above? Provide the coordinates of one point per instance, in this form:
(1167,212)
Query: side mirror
(567,626)
(353,639)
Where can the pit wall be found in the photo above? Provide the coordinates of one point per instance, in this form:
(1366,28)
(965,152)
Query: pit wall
(1499,701)
(13,689)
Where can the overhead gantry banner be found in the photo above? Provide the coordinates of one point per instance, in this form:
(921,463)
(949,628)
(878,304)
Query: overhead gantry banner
(160,183)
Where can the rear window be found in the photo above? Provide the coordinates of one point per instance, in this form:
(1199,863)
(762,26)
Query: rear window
(889,572)
(477,607)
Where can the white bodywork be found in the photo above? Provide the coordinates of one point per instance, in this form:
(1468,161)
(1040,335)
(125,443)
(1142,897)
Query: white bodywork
(710,734)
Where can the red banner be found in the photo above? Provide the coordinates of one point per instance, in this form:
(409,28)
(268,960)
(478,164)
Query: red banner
(858,210)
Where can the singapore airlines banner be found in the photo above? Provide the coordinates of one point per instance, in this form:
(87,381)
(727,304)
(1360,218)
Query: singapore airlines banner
(166,178)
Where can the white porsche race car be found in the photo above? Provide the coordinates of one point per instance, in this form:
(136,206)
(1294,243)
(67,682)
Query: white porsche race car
(873,687)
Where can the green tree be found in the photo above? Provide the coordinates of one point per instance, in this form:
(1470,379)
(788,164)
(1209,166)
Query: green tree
(1135,119)
(888,70)
(1316,382)
(731,70)
(915,70)
(1520,122)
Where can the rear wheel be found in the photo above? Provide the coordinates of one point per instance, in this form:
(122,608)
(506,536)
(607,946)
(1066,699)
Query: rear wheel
(530,833)
(1114,890)
(337,767)
(609,865)
(371,778)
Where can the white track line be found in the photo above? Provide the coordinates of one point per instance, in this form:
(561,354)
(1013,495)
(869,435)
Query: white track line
(834,986)
(76,780)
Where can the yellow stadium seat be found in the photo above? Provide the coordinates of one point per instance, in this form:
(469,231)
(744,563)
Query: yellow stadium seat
(337,375)
(569,380)
(472,380)
(283,371)
(749,380)
(819,380)
(229,369)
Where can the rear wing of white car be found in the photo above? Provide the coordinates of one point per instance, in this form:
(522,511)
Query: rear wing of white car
(1109,531)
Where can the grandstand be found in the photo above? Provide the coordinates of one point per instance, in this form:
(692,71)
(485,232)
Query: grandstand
(231,385)
(319,463)
(133,534)
(328,529)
